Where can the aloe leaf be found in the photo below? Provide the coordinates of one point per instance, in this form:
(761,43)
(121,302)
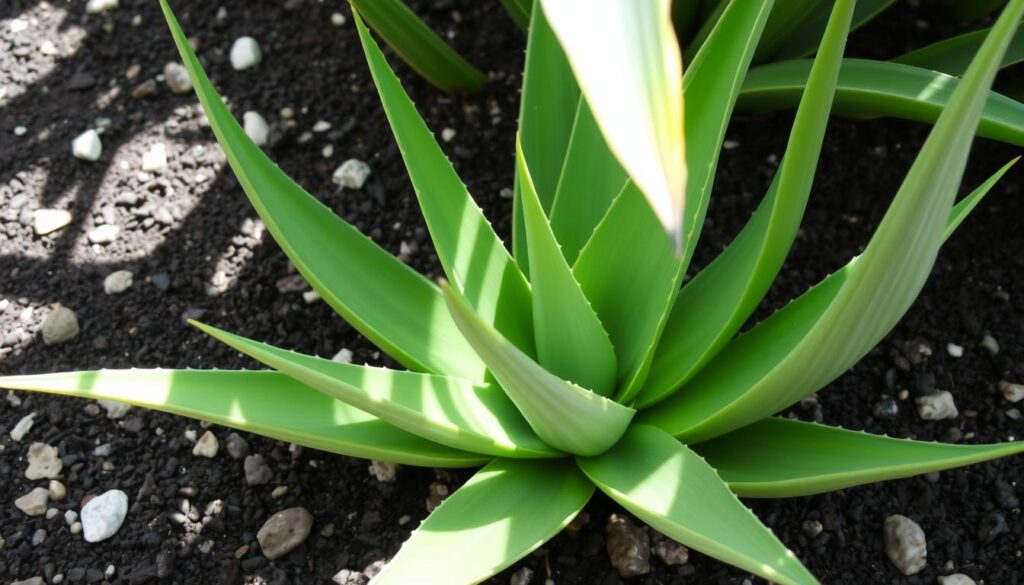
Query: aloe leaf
(591,178)
(952,56)
(504,512)
(880,88)
(804,39)
(519,10)
(571,343)
(266,403)
(394,307)
(711,85)
(763,375)
(419,46)
(672,489)
(713,306)
(562,414)
(781,458)
(788,17)
(630,282)
(625,56)
(547,110)
(446,410)
(463,237)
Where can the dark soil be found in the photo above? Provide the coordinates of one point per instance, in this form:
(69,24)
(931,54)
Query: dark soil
(212,260)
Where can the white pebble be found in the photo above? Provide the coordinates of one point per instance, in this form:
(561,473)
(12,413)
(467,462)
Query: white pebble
(989,344)
(70,517)
(328,151)
(905,544)
(155,159)
(97,6)
(117,282)
(352,174)
(115,410)
(87,146)
(1012,392)
(176,77)
(383,471)
(207,446)
(245,53)
(338,19)
(310,296)
(23,427)
(321,126)
(103,515)
(448,134)
(956,579)
(954,350)
(256,128)
(18,25)
(938,405)
(45,221)
(20,130)
(104,234)
(344,356)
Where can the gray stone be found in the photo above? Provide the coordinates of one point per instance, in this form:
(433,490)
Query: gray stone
(956,579)
(284,531)
(176,77)
(352,174)
(257,472)
(938,405)
(629,547)
(1011,392)
(104,234)
(383,471)
(154,160)
(347,577)
(103,515)
(43,462)
(87,146)
(56,490)
(23,427)
(989,344)
(33,503)
(60,325)
(115,410)
(236,446)
(118,282)
(668,550)
(905,544)
(30,581)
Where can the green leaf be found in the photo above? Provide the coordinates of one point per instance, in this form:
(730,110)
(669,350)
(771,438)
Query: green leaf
(591,178)
(394,307)
(519,10)
(507,510)
(571,343)
(630,282)
(267,403)
(419,46)
(788,17)
(953,55)
(763,375)
(713,306)
(625,56)
(880,88)
(547,110)
(471,253)
(805,39)
(781,458)
(446,410)
(564,415)
(711,85)
(672,489)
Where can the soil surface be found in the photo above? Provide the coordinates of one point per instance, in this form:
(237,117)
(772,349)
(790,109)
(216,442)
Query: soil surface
(196,249)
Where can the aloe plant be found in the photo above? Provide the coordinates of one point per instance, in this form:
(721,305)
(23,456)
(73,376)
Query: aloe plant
(601,369)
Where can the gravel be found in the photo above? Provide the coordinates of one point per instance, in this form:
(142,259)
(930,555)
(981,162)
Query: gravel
(905,544)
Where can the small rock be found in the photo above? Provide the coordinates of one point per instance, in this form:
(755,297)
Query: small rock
(245,53)
(117,282)
(384,471)
(936,406)
(43,462)
(347,577)
(284,531)
(522,577)
(886,408)
(176,77)
(98,6)
(45,221)
(256,128)
(352,174)
(279,492)
(956,579)
(20,130)
(144,89)
(33,503)
(115,410)
(31,581)
(103,515)
(70,517)
(989,344)
(669,551)
(23,427)
(104,234)
(60,325)
(344,356)
(321,126)
(812,528)
(155,159)
(257,472)
(56,490)
(76,528)
(87,146)
(236,446)
(338,19)
(905,544)
(1012,392)
(438,493)
(956,351)
(207,446)
(448,134)
(629,547)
